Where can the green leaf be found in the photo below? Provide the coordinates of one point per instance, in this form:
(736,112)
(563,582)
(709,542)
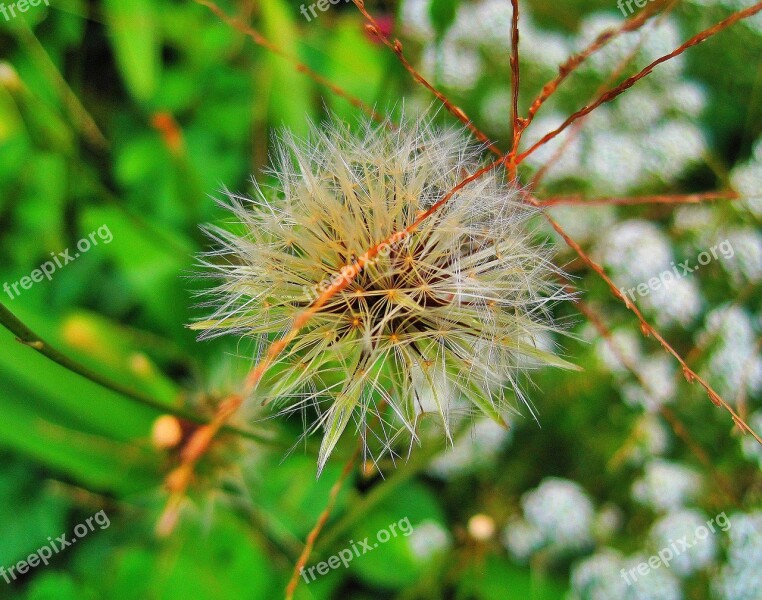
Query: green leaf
(136,43)
(442,13)
(290,92)
(394,563)
(496,579)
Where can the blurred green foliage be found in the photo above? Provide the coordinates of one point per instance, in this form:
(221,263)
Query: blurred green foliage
(134,114)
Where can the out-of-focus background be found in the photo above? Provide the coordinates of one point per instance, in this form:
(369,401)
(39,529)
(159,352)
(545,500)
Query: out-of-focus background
(120,121)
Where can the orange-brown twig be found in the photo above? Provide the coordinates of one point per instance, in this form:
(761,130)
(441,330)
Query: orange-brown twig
(630,81)
(609,81)
(396,47)
(322,519)
(179,479)
(655,199)
(518,123)
(646,327)
(575,60)
(678,427)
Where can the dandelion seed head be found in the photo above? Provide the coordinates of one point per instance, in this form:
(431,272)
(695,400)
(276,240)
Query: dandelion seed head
(439,315)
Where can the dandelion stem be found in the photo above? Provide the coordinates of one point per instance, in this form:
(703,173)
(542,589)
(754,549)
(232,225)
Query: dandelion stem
(320,523)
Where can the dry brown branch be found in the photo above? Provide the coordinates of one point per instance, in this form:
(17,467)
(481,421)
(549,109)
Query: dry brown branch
(322,519)
(374,29)
(518,123)
(646,327)
(575,60)
(577,127)
(630,81)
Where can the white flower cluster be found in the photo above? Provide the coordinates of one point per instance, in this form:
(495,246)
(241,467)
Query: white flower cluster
(558,516)
(741,577)
(666,485)
(598,577)
(746,179)
(682,524)
(636,251)
(734,361)
(470,452)
(655,385)
(428,540)
(751,448)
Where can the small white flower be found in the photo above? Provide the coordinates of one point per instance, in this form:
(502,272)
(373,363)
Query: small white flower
(666,485)
(683,525)
(563,513)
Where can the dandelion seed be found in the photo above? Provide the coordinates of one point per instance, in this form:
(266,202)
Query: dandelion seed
(444,316)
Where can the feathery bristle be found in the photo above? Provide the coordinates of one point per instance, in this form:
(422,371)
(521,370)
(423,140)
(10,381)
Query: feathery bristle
(446,317)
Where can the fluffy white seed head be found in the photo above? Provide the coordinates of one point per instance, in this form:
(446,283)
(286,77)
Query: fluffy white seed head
(446,317)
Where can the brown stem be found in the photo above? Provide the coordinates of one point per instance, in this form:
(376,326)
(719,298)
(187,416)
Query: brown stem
(322,519)
(630,81)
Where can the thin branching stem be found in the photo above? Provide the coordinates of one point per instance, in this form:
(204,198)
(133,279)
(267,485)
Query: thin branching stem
(669,415)
(320,523)
(518,123)
(577,127)
(396,47)
(614,93)
(647,329)
(575,60)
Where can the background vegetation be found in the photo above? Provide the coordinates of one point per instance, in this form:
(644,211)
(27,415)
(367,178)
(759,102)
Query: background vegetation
(133,114)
